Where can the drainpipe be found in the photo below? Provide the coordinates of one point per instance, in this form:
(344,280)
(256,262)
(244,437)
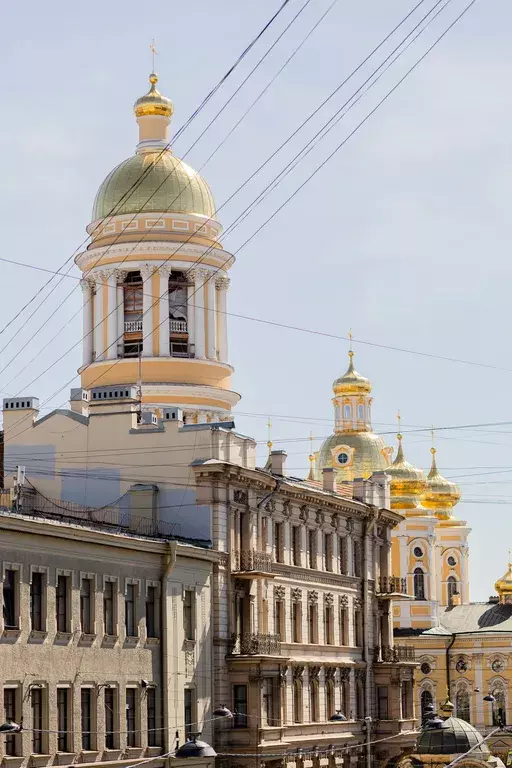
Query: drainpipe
(448,649)
(170,561)
(366,630)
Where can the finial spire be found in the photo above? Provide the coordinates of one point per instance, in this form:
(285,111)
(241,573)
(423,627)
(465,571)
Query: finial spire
(350,338)
(433,466)
(154,52)
(311,475)
(269,441)
(399,422)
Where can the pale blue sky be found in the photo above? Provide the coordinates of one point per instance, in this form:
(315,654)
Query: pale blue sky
(403,236)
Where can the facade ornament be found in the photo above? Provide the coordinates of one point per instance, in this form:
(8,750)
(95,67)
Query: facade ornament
(357,604)
(279,592)
(287,509)
(343,601)
(313,671)
(283,674)
(296,595)
(312,597)
(349,524)
(298,671)
(320,518)
(270,506)
(240,585)
(360,675)
(86,284)
(330,673)
(146,271)
(222,283)
(164,270)
(329,598)
(240,496)
(303,513)
(344,674)
(120,275)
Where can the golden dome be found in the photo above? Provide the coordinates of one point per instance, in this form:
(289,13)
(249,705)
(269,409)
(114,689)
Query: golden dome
(351,382)
(407,482)
(441,494)
(354,454)
(504,585)
(153,103)
(153,182)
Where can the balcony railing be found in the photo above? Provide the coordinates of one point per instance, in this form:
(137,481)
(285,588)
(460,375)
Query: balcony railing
(132,326)
(255,645)
(178,326)
(392,585)
(250,560)
(395,655)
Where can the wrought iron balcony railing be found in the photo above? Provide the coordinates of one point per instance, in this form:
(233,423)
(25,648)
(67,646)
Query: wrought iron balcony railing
(250,560)
(255,645)
(392,585)
(395,655)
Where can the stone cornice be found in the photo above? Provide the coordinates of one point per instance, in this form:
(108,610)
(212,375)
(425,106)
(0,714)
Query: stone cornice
(160,247)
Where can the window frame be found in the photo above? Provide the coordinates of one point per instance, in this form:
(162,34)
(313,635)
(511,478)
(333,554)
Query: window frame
(132,734)
(240,703)
(64,719)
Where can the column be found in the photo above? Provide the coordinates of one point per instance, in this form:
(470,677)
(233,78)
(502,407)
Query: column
(99,341)
(87,297)
(222,285)
(120,278)
(211,318)
(191,303)
(111,287)
(146,272)
(199,276)
(163,311)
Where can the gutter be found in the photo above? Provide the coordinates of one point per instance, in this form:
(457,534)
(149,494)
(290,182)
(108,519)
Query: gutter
(170,562)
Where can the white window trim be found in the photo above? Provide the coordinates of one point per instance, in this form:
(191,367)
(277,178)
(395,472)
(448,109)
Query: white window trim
(155,584)
(134,582)
(12,567)
(39,569)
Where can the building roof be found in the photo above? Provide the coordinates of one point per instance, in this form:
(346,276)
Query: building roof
(475,617)
(455,737)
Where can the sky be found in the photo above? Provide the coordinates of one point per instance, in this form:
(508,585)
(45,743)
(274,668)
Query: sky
(403,235)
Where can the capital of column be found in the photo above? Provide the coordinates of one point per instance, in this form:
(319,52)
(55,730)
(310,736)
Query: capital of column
(86,284)
(146,271)
(222,283)
(164,270)
(198,276)
(120,275)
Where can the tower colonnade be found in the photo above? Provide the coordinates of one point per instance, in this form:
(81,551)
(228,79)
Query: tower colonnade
(108,329)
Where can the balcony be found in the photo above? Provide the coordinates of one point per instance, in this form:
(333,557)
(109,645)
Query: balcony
(392,588)
(177,326)
(255,645)
(132,326)
(250,564)
(396,655)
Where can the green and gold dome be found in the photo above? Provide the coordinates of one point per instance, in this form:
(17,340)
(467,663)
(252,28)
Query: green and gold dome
(153,180)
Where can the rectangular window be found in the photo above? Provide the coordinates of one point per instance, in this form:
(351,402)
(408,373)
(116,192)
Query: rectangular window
(296,545)
(329,625)
(358,628)
(313,623)
(189,703)
(327,552)
(36,703)
(11,714)
(131,717)
(61,604)
(36,602)
(382,702)
(189,614)
(342,555)
(10,612)
(86,594)
(343,626)
(108,608)
(151,702)
(151,612)
(296,622)
(240,706)
(279,620)
(129,610)
(311,549)
(269,702)
(63,719)
(110,717)
(278,542)
(358,562)
(86,717)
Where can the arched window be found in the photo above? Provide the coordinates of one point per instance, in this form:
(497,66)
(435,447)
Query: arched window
(426,699)
(499,707)
(452,589)
(297,701)
(329,698)
(462,706)
(360,412)
(314,709)
(347,412)
(419,584)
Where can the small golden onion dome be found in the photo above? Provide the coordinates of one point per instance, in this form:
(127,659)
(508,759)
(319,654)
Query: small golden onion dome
(153,103)
(504,585)
(441,494)
(407,482)
(447,707)
(351,382)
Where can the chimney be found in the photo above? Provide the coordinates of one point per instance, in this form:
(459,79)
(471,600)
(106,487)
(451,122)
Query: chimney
(278,462)
(329,479)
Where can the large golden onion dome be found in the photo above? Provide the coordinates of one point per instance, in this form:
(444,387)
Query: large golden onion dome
(351,382)
(153,180)
(441,495)
(354,454)
(407,482)
(504,586)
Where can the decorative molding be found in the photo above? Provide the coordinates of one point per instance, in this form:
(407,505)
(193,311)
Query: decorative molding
(279,592)
(313,671)
(146,271)
(296,595)
(343,601)
(312,597)
(298,671)
(330,673)
(222,283)
(344,674)
(329,598)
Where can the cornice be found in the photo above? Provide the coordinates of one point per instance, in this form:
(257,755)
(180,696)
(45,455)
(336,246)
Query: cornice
(296,573)
(161,247)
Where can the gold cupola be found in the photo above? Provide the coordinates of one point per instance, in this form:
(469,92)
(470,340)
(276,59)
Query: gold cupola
(153,103)
(407,482)
(351,383)
(504,585)
(441,495)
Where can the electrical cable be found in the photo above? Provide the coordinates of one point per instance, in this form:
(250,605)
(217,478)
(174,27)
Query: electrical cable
(411,69)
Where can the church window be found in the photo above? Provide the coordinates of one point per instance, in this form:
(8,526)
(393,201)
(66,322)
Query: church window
(426,669)
(499,708)
(360,412)
(426,700)
(419,584)
(462,706)
(452,589)
(342,458)
(347,412)
(417,552)
(452,561)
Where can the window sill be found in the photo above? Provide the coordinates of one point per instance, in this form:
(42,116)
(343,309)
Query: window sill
(153,751)
(88,755)
(63,638)
(131,752)
(131,640)
(110,640)
(64,758)
(87,639)
(13,760)
(112,754)
(11,632)
(152,641)
(37,636)
(39,760)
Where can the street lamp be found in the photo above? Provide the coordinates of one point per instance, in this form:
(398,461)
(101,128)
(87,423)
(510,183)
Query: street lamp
(10,727)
